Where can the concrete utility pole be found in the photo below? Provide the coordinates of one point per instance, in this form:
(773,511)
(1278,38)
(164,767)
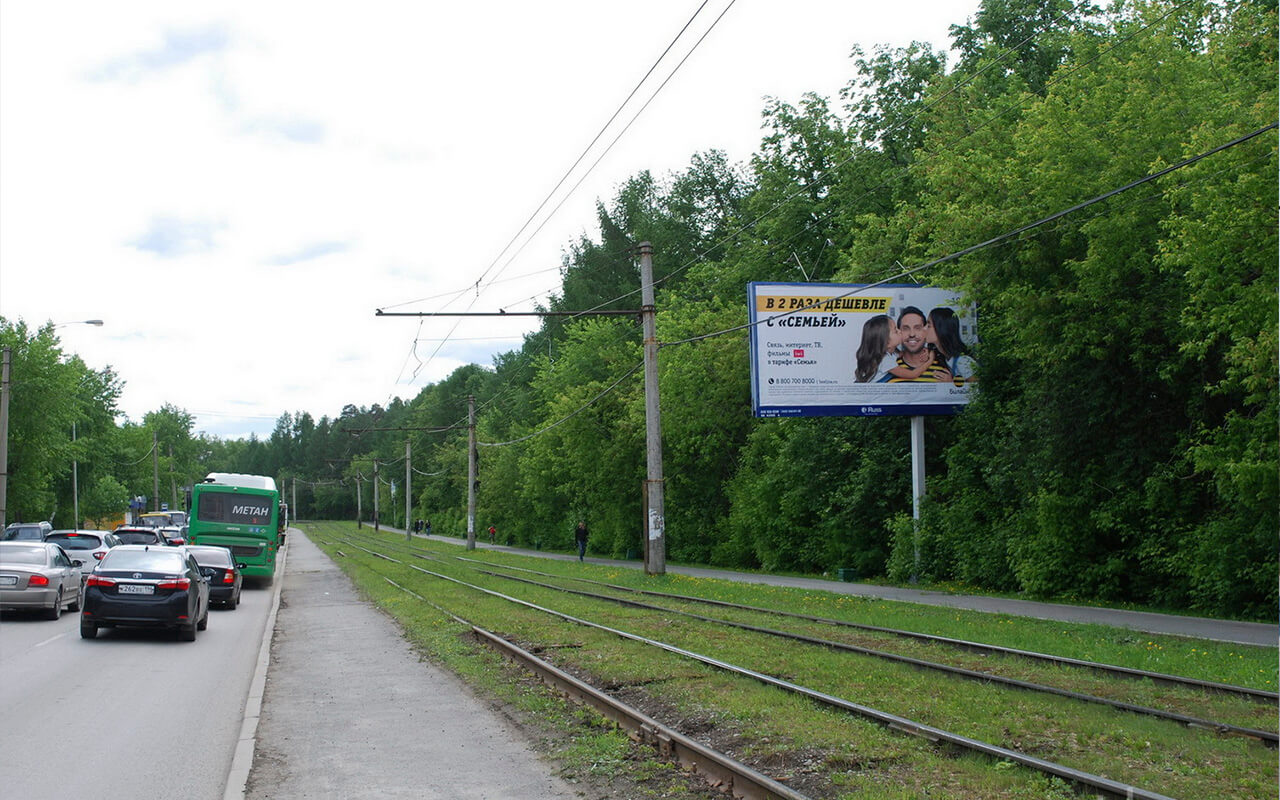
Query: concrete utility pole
(4,436)
(359,503)
(471,472)
(376,492)
(656,553)
(408,492)
(155,472)
(293,504)
(173,485)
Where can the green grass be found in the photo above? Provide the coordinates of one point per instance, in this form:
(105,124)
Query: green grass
(841,755)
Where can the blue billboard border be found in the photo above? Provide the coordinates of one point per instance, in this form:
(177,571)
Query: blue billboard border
(864,410)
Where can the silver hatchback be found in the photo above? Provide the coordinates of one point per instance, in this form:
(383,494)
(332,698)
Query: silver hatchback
(38,575)
(86,548)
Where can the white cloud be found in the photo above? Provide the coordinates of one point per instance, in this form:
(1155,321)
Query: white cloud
(235,188)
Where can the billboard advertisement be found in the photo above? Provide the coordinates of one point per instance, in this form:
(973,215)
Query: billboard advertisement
(854,350)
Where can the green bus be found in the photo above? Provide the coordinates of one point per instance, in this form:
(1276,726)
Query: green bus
(241,513)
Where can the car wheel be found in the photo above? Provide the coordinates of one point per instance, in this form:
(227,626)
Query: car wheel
(56,611)
(233,602)
(187,633)
(79,601)
(204,621)
(88,630)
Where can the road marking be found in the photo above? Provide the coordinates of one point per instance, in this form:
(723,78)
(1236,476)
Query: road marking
(46,641)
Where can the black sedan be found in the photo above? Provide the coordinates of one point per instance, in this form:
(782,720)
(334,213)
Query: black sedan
(222,572)
(146,586)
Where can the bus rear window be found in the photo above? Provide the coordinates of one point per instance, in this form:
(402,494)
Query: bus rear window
(233,509)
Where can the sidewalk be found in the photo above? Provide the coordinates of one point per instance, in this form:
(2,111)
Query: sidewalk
(350,711)
(1252,633)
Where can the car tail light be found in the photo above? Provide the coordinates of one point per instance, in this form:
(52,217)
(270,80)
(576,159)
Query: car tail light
(99,580)
(98,555)
(229,576)
(38,580)
(178,583)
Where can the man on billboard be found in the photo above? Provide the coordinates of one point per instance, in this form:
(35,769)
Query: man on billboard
(915,354)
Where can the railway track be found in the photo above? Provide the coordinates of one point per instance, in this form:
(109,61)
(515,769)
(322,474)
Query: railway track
(720,770)
(1110,670)
(387,552)
(1098,784)
(1265,737)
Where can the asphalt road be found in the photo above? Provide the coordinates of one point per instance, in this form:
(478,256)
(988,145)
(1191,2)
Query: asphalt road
(131,714)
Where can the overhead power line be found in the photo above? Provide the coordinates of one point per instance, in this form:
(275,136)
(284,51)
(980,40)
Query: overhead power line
(592,144)
(1002,237)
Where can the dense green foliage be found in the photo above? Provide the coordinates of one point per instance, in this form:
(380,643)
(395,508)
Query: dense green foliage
(1123,446)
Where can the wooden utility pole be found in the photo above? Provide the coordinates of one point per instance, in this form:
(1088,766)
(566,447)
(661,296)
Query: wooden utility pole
(471,472)
(656,552)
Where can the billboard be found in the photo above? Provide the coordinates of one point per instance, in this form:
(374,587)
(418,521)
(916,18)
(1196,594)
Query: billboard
(854,350)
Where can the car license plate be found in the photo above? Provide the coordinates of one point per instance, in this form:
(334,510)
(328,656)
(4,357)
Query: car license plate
(8,580)
(135,588)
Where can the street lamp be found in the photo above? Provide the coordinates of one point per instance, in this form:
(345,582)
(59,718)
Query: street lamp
(75,465)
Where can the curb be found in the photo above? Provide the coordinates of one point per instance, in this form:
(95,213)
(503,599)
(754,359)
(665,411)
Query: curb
(242,761)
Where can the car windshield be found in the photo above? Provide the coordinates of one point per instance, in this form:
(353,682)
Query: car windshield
(137,537)
(23,555)
(75,541)
(24,533)
(169,562)
(211,556)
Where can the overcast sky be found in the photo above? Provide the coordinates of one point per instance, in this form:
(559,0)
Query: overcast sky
(235,188)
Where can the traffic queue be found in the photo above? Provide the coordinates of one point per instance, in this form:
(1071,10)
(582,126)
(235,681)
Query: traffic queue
(141,575)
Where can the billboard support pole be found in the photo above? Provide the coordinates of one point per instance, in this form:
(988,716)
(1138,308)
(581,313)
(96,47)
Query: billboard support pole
(917,491)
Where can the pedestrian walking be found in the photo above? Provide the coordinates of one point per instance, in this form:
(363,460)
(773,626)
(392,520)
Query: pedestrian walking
(493,535)
(580,538)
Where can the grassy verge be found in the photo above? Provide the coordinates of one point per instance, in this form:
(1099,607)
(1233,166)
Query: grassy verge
(830,754)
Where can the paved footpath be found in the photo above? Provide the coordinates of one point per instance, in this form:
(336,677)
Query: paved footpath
(349,710)
(1254,633)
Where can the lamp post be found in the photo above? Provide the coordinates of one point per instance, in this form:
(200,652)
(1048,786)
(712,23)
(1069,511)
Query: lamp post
(75,464)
